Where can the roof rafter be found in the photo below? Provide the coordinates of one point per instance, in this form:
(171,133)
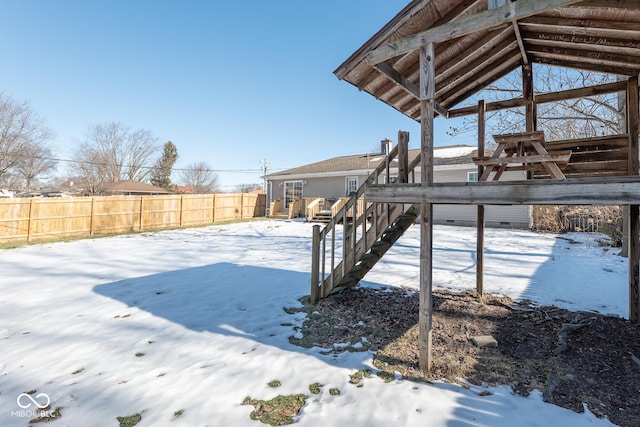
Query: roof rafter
(407,85)
(485,20)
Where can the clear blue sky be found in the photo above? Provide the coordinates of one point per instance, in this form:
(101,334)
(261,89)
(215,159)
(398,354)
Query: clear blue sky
(230,83)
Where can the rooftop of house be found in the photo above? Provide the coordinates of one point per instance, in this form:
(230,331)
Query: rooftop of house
(133,187)
(450,155)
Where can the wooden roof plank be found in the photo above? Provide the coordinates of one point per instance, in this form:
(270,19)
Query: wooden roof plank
(544,98)
(478,78)
(482,21)
(605,46)
(567,55)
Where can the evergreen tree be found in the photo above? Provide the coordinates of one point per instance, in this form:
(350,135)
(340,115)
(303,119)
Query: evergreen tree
(161,173)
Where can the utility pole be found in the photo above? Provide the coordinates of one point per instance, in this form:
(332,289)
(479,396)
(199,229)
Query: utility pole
(265,167)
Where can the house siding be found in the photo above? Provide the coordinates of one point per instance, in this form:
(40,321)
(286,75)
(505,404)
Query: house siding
(514,216)
(329,187)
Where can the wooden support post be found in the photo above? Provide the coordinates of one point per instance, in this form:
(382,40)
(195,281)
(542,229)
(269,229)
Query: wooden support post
(93,214)
(531,116)
(634,264)
(213,209)
(30,222)
(480,217)
(403,157)
(529,101)
(315,264)
(141,212)
(427,99)
(633,126)
(181,209)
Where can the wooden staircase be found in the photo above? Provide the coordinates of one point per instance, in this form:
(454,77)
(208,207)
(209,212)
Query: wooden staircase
(342,256)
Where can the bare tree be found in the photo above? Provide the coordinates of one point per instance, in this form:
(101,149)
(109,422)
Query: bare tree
(36,160)
(112,152)
(576,118)
(20,128)
(200,177)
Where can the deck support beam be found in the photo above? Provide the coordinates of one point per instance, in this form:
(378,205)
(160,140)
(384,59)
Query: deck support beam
(633,127)
(427,114)
(570,191)
(480,216)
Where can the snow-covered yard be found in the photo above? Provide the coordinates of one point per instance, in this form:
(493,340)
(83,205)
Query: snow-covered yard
(192,321)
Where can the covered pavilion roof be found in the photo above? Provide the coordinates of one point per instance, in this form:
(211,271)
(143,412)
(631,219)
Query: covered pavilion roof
(479,41)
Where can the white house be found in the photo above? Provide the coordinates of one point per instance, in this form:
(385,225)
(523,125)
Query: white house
(340,176)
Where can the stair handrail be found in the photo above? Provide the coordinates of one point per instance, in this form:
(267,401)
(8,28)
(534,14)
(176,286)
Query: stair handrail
(372,178)
(335,208)
(354,246)
(295,208)
(275,206)
(314,208)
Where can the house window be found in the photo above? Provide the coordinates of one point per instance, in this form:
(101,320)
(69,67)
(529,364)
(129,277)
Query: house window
(472,176)
(352,185)
(292,191)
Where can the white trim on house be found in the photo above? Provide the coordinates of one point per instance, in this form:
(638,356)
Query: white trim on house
(361,172)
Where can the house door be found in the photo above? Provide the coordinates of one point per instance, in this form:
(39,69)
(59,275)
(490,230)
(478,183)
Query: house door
(292,191)
(351,185)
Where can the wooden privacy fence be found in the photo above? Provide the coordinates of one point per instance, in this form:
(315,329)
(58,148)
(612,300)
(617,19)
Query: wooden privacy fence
(55,218)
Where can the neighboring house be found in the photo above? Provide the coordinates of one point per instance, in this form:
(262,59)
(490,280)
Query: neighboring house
(132,188)
(340,176)
(182,189)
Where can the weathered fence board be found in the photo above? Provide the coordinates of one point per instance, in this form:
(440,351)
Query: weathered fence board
(60,218)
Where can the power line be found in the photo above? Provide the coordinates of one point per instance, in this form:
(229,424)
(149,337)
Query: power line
(86,162)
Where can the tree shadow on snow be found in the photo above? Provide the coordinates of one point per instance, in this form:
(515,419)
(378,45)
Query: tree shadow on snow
(224,298)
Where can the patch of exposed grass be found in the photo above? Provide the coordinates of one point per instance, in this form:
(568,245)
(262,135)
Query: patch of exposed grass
(387,377)
(315,388)
(274,383)
(77,371)
(47,416)
(139,354)
(334,391)
(31,391)
(129,421)
(278,411)
(359,376)
(178,413)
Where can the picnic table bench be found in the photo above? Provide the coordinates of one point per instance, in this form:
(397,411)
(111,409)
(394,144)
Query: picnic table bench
(522,152)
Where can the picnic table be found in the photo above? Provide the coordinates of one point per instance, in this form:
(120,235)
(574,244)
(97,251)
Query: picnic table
(522,152)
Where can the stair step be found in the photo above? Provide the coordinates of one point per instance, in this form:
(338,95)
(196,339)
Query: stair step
(370,259)
(381,246)
(346,282)
(392,232)
(406,216)
(386,238)
(358,272)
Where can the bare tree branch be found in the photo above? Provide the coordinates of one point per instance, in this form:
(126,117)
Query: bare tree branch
(112,152)
(200,177)
(20,128)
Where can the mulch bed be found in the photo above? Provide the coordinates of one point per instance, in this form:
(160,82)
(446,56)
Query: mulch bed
(599,366)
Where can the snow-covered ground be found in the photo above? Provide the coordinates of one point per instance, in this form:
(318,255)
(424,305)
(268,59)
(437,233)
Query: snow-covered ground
(192,320)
